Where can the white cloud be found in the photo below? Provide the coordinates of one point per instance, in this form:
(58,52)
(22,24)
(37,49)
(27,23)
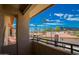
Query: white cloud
(48,20)
(70,15)
(53,23)
(58,14)
(58,21)
(40,25)
(73,19)
(32,25)
(65,16)
(36,25)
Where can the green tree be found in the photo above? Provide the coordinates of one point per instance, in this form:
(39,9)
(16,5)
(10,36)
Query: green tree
(57,28)
(48,30)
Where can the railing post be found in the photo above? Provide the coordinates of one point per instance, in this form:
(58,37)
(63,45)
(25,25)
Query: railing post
(71,48)
(33,37)
(56,43)
(37,38)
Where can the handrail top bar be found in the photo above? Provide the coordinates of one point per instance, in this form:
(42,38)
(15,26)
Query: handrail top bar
(65,43)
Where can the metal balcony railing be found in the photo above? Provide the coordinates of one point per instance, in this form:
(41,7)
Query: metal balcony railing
(65,45)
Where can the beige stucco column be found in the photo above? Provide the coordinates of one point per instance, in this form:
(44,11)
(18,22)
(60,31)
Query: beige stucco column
(24,44)
(6,36)
(23,41)
(1,32)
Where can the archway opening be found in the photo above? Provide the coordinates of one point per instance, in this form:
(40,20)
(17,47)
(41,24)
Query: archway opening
(10,30)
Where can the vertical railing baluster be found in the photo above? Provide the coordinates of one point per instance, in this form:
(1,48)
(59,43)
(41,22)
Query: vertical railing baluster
(71,48)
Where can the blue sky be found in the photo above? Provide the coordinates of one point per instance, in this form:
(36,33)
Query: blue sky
(63,15)
(14,24)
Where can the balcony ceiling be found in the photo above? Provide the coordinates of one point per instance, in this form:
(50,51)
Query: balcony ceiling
(13,9)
